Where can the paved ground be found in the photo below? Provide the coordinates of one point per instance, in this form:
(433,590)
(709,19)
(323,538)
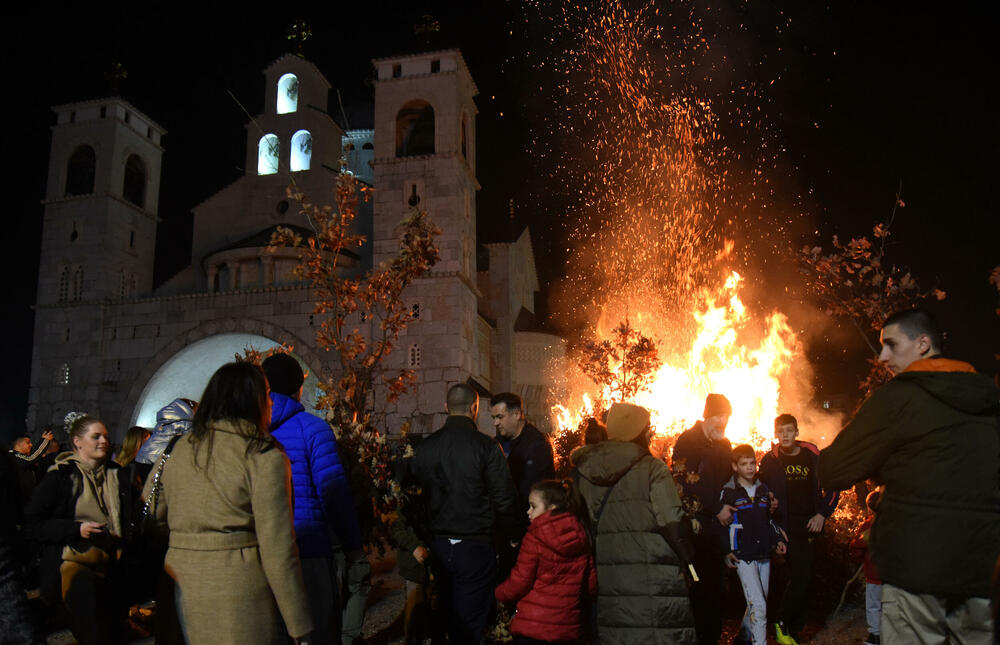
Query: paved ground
(383,621)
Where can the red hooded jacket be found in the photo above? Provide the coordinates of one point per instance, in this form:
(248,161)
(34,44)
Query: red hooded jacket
(554,573)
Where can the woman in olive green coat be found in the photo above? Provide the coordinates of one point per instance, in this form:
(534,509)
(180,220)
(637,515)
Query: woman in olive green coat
(225,495)
(642,540)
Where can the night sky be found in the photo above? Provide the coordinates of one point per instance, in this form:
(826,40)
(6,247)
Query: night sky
(865,95)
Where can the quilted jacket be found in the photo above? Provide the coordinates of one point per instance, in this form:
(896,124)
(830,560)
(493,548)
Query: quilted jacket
(322,497)
(172,420)
(643,597)
(554,573)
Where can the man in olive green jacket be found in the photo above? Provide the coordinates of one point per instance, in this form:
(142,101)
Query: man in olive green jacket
(642,539)
(931,435)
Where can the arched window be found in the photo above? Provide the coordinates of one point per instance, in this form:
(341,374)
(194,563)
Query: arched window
(302,150)
(134,185)
(133,282)
(64,284)
(413,357)
(62,376)
(80,171)
(122,281)
(267,154)
(77,290)
(368,146)
(288,94)
(415,129)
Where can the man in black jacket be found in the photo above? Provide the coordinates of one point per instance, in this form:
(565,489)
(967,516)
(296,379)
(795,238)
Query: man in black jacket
(529,453)
(470,496)
(704,454)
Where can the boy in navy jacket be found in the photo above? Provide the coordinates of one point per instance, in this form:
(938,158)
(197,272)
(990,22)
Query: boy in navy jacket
(749,540)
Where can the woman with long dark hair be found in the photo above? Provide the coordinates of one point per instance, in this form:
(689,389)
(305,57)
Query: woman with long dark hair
(224,492)
(80,513)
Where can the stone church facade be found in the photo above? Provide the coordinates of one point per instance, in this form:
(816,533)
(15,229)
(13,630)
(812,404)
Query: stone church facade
(107,342)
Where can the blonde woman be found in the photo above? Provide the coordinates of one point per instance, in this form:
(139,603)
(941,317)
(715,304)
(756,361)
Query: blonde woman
(134,438)
(80,513)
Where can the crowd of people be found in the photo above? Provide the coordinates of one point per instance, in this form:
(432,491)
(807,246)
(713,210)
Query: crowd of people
(236,515)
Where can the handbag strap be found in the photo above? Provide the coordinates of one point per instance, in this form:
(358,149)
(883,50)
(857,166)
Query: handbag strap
(149,507)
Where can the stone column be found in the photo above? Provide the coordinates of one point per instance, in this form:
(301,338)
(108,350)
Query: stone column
(213,272)
(268,262)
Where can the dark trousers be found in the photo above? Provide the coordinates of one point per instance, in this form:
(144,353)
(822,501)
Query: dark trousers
(707,595)
(801,557)
(466,576)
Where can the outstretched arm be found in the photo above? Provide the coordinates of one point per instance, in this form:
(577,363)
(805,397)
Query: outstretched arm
(865,443)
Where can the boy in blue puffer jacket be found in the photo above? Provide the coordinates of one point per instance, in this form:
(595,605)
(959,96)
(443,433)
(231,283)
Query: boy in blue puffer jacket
(322,496)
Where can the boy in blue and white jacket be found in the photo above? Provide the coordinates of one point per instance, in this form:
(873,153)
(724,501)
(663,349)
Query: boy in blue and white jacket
(749,540)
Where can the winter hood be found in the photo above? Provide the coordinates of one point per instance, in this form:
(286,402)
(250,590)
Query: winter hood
(609,461)
(561,532)
(172,420)
(283,408)
(955,384)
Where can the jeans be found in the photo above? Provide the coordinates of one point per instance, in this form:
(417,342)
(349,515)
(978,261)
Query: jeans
(873,607)
(754,577)
(465,571)
(923,618)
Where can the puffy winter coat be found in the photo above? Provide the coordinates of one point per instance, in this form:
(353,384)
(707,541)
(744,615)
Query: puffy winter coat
(554,573)
(642,596)
(932,436)
(752,535)
(319,483)
(172,420)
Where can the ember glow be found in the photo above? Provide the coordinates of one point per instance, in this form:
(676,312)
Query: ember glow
(661,196)
(720,358)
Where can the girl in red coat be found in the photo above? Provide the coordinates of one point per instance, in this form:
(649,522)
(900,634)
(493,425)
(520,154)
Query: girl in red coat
(555,570)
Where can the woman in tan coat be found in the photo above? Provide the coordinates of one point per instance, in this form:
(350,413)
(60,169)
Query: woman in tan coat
(225,495)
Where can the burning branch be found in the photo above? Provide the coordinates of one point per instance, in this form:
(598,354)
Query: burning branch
(624,365)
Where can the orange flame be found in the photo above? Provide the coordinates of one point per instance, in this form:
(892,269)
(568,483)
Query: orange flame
(720,359)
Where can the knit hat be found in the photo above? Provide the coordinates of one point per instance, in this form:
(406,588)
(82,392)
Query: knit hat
(717,405)
(626,421)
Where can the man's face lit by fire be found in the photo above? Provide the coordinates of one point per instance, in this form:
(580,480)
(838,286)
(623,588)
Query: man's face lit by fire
(786,435)
(507,422)
(899,350)
(715,427)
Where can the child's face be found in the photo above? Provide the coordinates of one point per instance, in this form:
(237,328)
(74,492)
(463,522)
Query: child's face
(745,468)
(786,435)
(536,505)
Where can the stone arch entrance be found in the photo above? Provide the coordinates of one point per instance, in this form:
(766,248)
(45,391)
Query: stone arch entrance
(183,367)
